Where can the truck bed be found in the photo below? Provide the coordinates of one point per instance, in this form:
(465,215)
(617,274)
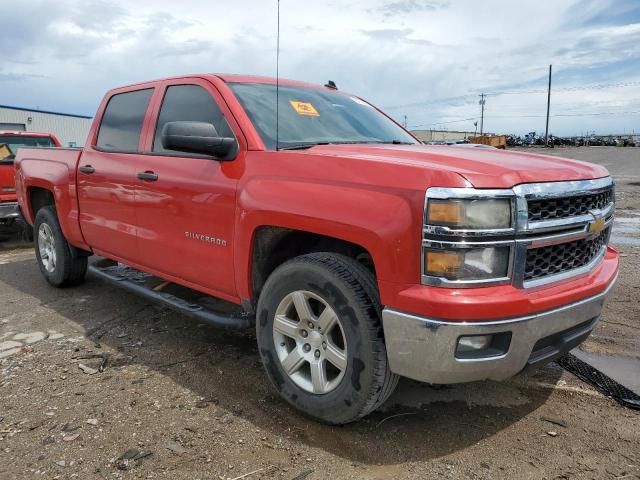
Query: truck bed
(52,169)
(66,155)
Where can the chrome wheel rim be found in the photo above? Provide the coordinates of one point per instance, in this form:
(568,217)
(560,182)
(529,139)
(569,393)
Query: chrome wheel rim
(47,247)
(310,342)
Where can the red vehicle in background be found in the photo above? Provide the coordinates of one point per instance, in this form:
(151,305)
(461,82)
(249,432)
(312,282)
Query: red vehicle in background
(10,218)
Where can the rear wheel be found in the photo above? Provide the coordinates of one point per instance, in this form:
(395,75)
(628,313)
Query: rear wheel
(53,252)
(320,337)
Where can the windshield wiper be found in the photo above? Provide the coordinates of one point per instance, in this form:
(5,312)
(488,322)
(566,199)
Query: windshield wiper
(304,146)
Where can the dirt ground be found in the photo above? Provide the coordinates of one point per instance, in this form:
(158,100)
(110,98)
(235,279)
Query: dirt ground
(180,400)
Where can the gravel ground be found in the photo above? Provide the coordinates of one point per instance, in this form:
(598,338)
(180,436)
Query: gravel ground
(180,400)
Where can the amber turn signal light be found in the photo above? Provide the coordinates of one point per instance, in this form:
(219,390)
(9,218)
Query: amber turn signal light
(443,264)
(445,212)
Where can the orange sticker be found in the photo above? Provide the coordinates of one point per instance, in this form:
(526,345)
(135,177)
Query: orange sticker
(304,108)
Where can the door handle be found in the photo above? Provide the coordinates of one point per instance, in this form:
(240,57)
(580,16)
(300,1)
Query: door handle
(88,169)
(148,176)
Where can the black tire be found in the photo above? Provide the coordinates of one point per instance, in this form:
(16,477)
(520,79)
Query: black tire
(350,289)
(68,270)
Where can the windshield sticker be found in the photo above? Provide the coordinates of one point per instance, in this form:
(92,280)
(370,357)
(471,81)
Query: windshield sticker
(304,108)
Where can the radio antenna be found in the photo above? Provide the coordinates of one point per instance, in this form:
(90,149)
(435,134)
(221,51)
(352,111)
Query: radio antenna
(278,82)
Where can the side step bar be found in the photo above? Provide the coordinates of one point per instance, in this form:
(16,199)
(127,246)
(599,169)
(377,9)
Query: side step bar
(139,282)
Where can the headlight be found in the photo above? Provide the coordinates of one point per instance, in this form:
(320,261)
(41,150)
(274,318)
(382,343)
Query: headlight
(471,214)
(467,264)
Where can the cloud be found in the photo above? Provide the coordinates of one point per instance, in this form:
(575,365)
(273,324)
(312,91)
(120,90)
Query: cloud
(406,7)
(17,77)
(388,34)
(424,59)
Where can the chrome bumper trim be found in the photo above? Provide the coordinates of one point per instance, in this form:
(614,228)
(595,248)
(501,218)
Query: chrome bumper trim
(9,211)
(424,349)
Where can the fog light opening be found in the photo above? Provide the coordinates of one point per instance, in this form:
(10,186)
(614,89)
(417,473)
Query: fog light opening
(483,346)
(474,343)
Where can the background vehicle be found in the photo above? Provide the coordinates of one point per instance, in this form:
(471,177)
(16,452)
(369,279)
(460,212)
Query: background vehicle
(473,145)
(10,143)
(361,254)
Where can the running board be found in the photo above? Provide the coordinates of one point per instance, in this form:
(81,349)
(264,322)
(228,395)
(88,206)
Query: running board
(150,287)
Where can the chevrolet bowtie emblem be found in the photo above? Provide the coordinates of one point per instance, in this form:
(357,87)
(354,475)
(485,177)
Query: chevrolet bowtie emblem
(597,225)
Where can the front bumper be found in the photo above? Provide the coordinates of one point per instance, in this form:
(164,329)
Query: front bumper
(11,220)
(9,211)
(424,349)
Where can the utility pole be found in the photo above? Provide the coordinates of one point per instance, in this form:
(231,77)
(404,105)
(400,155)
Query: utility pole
(546,132)
(482,102)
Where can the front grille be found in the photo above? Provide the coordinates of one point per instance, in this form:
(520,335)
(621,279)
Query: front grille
(554,259)
(564,207)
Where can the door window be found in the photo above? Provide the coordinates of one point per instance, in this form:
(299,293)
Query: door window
(189,103)
(122,121)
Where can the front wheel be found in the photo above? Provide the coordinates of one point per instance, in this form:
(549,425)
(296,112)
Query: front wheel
(58,265)
(320,337)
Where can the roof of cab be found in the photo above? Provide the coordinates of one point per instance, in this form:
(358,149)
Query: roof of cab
(233,78)
(227,78)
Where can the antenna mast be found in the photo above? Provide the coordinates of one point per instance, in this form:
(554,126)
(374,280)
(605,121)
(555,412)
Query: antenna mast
(278,82)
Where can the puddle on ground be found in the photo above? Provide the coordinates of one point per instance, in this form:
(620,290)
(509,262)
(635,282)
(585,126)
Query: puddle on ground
(630,241)
(624,211)
(626,230)
(624,370)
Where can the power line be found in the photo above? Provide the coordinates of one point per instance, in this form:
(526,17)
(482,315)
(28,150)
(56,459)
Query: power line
(635,83)
(482,102)
(443,123)
(546,132)
(590,114)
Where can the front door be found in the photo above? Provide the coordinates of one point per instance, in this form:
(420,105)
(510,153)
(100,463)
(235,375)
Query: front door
(185,204)
(107,179)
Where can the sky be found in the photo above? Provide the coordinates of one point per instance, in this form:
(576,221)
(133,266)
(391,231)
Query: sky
(426,59)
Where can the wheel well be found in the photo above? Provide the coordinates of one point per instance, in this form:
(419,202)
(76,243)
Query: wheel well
(273,246)
(38,198)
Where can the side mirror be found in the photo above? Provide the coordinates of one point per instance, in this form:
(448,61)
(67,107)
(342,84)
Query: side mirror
(198,137)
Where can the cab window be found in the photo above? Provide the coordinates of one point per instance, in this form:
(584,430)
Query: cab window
(189,103)
(122,121)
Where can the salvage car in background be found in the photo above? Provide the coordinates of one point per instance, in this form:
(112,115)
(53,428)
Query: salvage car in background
(10,142)
(360,254)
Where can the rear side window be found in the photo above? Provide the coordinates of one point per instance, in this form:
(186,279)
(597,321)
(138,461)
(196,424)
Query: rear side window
(122,121)
(189,103)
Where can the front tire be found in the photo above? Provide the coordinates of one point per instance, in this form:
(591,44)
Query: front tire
(55,259)
(320,337)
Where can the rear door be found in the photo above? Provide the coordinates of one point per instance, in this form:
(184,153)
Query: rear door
(106,177)
(186,211)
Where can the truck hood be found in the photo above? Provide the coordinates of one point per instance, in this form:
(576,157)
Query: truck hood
(483,168)
(7,181)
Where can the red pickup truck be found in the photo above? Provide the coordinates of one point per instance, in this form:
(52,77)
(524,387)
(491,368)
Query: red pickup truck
(10,142)
(359,254)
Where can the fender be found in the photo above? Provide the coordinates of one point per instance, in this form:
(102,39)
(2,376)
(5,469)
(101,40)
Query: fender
(385,223)
(53,170)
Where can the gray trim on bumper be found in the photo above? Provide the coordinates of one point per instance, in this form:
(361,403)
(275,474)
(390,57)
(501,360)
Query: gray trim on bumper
(424,349)
(9,210)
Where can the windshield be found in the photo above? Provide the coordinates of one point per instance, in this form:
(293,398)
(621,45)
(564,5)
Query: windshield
(14,142)
(311,116)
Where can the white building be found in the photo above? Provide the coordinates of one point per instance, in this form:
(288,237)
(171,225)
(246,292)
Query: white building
(71,130)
